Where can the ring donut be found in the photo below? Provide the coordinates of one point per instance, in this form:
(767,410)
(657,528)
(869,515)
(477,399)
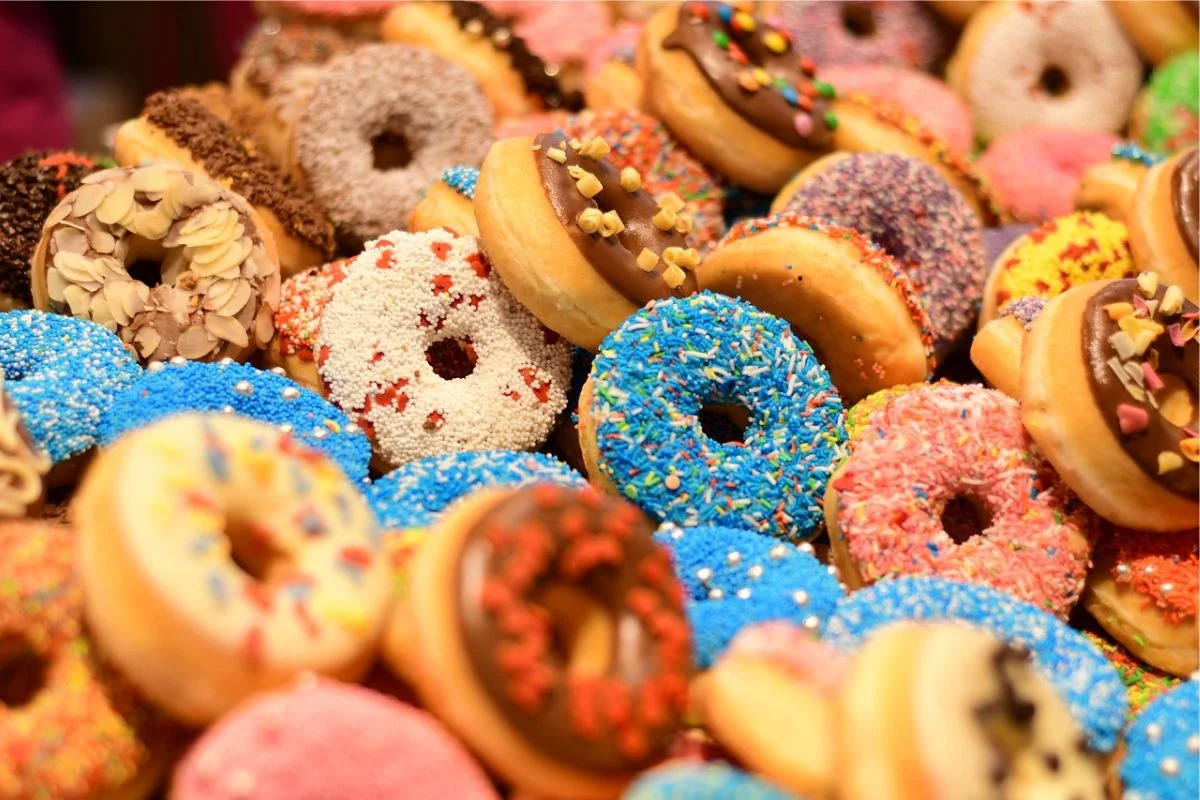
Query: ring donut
(1110,186)
(302,301)
(1164,223)
(448,204)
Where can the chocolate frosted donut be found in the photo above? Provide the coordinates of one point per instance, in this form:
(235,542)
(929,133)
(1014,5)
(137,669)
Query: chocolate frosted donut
(274,48)
(1185,197)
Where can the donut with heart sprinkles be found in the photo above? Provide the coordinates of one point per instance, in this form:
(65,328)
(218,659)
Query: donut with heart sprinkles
(423,344)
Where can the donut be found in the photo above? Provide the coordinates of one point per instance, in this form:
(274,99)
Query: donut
(1069,251)
(30,187)
(62,375)
(1143,590)
(23,465)
(868,125)
(359,19)
(996,349)
(1083,677)
(1166,116)
(1160,30)
(956,12)
(367,745)
(905,701)
(1142,683)
(736,578)
(898,33)
(1036,172)
(302,301)
(611,79)
(944,445)
(1164,223)
(640,430)
(769,700)
(231,388)
(380,126)
(803,269)
(734,89)
(273,49)
(1161,747)
(448,203)
(644,143)
(424,348)
(574,714)
(514,79)
(416,494)
(1020,65)
(1127,444)
(175,127)
(919,94)
(717,781)
(941,250)
(193,530)
(70,728)
(205,275)
(858,416)
(530,124)
(561,34)
(1110,186)
(579,242)
(995,240)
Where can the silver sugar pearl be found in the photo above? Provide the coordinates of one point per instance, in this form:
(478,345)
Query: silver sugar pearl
(226,361)
(178,361)
(286,427)
(155,367)
(227,410)
(290,393)
(778,551)
(1169,766)
(833,570)
(280,371)
(474,26)
(320,433)
(743,593)
(704,574)
(715,594)
(244,388)
(734,558)
(1167,587)
(811,622)
(271,26)
(800,597)
(1123,569)
(1148,569)
(353,430)
(1193,743)
(755,572)
(501,37)
(1154,732)
(806,547)
(551,70)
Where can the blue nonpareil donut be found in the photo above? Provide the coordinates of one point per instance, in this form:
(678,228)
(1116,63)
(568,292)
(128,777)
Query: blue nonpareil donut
(698,781)
(1162,759)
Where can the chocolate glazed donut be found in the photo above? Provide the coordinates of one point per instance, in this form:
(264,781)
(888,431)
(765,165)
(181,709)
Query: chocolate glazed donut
(1185,199)
(617,712)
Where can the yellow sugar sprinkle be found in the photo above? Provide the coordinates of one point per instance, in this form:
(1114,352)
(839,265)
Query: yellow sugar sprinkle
(631,179)
(647,260)
(1168,461)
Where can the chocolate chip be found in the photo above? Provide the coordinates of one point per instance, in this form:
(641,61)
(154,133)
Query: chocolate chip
(999,773)
(1052,761)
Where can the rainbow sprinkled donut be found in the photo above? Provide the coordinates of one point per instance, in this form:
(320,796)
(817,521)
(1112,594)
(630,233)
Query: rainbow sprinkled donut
(1143,683)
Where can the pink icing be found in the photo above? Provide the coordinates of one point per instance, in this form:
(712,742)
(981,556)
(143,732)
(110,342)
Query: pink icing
(558,32)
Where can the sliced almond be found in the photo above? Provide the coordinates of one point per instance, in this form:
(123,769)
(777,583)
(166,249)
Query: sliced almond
(152,224)
(98,309)
(87,198)
(74,267)
(55,285)
(114,174)
(241,296)
(147,340)
(102,241)
(150,178)
(219,293)
(195,342)
(199,220)
(118,203)
(264,325)
(226,328)
(60,213)
(70,240)
(78,299)
(114,297)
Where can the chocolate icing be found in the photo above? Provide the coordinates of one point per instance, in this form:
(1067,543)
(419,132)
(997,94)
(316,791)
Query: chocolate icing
(727,56)
(272,49)
(615,257)
(1109,392)
(1185,199)
(539,78)
(543,536)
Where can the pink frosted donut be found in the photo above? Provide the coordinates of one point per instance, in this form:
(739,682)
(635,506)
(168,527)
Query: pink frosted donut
(898,32)
(329,740)
(1036,172)
(561,33)
(945,481)
(618,45)
(921,95)
(530,124)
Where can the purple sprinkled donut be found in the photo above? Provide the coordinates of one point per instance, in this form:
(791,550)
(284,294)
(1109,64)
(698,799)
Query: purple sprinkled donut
(903,34)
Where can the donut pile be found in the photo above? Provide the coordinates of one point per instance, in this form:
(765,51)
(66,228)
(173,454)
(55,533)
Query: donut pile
(611,400)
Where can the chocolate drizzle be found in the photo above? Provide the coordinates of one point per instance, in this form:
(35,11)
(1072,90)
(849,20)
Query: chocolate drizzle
(1185,199)
(540,79)
(754,69)
(1116,395)
(614,257)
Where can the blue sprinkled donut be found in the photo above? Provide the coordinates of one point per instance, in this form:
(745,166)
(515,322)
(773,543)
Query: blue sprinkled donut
(1087,681)
(1162,757)
(692,781)
(462,180)
(62,374)
(179,386)
(735,578)
(640,425)
(413,495)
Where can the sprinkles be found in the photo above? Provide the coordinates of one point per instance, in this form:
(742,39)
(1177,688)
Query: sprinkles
(1162,758)
(462,180)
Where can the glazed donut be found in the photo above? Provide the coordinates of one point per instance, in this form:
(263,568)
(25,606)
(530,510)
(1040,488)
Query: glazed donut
(1131,452)
(1164,226)
(367,744)
(1166,116)
(381,125)
(899,33)
(1160,758)
(1083,677)
(70,728)
(802,269)
(1159,30)
(416,494)
(217,263)
(996,349)
(23,466)
(941,445)
(940,250)
(1110,186)
(302,301)
(569,233)
(170,388)
(1143,591)
(30,187)
(1143,683)
(716,781)
(1065,252)
(575,714)
(513,78)
(639,423)
(448,204)
(192,531)
(426,350)
(611,79)
(906,699)
(733,89)
(174,127)
(1020,65)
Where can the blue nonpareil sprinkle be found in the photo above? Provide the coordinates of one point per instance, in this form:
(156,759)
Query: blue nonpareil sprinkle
(700,781)
(1162,757)
(462,180)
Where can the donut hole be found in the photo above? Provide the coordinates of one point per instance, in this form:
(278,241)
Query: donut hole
(584,633)
(1176,401)
(859,20)
(252,550)
(144,260)
(22,672)
(724,423)
(451,358)
(965,516)
(390,148)
(1054,81)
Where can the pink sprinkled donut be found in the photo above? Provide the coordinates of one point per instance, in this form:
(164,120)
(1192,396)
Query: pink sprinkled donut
(326,739)
(901,33)
(921,95)
(945,450)
(1036,172)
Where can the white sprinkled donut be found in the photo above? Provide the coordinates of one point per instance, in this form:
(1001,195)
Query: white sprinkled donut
(425,345)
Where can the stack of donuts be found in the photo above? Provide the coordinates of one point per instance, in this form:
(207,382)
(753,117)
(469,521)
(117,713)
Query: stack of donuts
(613,400)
